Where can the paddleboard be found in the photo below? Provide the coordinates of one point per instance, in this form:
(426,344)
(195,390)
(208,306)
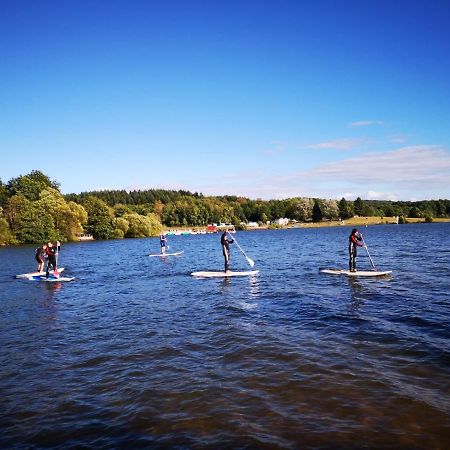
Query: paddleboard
(358,273)
(161,255)
(35,274)
(50,279)
(224,274)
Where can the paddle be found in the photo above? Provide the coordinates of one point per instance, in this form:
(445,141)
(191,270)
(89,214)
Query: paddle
(55,271)
(368,254)
(250,261)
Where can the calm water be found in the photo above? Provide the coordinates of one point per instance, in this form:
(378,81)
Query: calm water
(135,353)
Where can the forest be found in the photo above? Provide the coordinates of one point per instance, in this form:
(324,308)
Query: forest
(33,210)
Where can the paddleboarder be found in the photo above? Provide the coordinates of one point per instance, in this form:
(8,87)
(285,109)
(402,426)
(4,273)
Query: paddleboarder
(40,254)
(354,241)
(52,250)
(163,242)
(226,249)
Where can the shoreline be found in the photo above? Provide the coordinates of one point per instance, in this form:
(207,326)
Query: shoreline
(355,221)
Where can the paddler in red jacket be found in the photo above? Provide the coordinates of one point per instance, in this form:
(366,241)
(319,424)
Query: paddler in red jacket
(52,251)
(354,241)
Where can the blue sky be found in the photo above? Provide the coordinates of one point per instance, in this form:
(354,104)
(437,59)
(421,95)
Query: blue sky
(265,99)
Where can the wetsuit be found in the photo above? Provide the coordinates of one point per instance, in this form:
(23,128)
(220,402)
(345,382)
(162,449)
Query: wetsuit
(226,250)
(39,254)
(353,243)
(162,241)
(51,258)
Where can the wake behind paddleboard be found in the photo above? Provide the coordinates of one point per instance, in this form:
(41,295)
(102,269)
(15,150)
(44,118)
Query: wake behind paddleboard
(161,255)
(35,274)
(224,274)
(50,279)
(358,273)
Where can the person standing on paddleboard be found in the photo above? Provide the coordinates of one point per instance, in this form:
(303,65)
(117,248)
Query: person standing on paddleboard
(226,249)
(163,242)
(354,241)
(40,254)
(51,251)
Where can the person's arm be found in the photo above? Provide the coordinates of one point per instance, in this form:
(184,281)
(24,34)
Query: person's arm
(356,239)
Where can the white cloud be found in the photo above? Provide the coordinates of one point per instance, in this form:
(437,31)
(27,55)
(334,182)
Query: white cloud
(365,123)
(409,167)
(408,173)
(375,195)
(339,144)
(398,140)
(276,148)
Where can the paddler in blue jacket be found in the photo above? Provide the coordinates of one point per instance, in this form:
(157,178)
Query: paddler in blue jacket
(226,249)
(163,242)
(354,241)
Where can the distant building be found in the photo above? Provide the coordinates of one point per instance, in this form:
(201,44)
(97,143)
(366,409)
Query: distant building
(282,221)
(85,237)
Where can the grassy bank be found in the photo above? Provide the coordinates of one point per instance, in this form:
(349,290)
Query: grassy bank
(353,222)
(363,222)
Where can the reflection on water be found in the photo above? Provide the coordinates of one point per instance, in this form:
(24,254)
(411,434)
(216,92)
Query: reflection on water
(144,355)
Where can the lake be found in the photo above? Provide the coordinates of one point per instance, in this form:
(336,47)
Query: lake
(136,353)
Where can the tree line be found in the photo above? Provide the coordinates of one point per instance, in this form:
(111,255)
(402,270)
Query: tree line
(32,209)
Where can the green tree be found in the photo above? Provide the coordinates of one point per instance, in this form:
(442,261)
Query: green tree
(29,221)
(68,217)
(142,226)
(99,222)
(119,223)
(415,212)
(330,209)
(120,210)
(345,210)
(6,237)
(317,215)
(31,185)
(358,207)
(300,209)
(3,194)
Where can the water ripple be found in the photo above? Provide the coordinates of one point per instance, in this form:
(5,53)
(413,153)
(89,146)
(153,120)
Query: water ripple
(145,356)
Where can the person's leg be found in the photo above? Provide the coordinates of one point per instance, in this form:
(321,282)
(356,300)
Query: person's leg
(354,260)
(226,259)
(51,262)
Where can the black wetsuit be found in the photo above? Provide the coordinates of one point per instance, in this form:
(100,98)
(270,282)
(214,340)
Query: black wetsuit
(51,255)
(226,250)
(39,254)
(353,245)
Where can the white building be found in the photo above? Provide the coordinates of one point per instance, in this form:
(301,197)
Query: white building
(282,221)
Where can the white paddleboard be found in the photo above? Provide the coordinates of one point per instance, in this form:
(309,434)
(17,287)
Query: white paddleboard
(224,274)
(35,274)
(50,279)
(161,255)
(358,273)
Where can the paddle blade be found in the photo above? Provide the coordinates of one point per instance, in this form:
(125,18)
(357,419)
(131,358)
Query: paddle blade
(250,261)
